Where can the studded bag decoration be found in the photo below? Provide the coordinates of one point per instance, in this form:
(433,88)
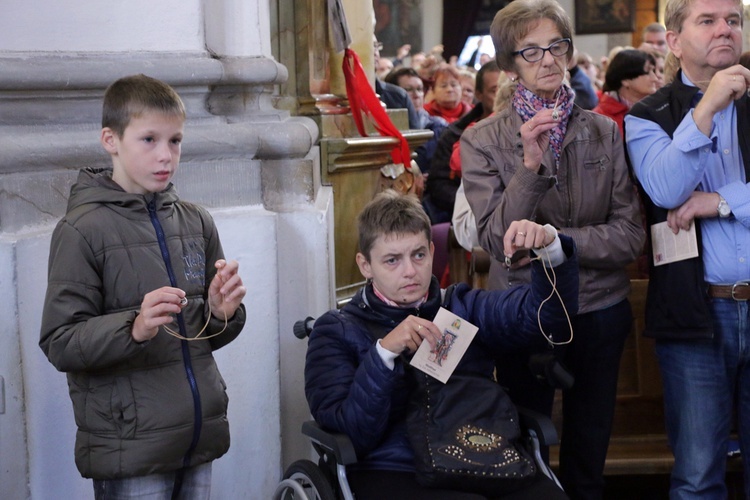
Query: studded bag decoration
(466,436)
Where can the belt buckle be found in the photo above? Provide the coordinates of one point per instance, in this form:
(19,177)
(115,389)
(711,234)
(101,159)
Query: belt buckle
(734,287)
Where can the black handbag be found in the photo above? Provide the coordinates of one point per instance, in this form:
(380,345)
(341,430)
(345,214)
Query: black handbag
(465,435)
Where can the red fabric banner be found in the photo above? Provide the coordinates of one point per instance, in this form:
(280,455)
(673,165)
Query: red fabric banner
(362,99)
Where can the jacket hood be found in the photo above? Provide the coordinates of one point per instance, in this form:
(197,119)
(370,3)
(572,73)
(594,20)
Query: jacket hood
(95,186)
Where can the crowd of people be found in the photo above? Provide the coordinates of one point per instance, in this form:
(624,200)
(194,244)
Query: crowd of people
(542,152)
(600,150)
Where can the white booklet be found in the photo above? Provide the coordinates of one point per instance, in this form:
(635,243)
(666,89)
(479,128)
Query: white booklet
(669,247)
(441,361)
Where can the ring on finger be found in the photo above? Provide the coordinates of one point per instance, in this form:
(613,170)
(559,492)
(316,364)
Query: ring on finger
(419,327)
(520,233)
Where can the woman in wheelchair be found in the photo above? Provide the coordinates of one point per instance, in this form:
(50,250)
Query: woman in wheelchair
(357,381)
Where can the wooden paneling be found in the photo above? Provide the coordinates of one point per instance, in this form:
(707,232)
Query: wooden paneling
(646,12)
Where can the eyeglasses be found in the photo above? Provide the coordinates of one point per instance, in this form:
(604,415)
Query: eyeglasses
(534,54)
(416,90)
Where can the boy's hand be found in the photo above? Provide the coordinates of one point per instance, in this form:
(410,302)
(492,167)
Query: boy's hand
(226,290)
(409,334)
(157,309)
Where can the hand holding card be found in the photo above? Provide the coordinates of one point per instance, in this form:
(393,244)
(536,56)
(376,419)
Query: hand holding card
(441,361)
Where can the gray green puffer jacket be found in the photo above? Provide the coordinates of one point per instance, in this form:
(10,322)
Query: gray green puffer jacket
(138,407)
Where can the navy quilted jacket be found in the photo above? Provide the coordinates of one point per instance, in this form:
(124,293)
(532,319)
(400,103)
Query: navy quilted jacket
(349,388)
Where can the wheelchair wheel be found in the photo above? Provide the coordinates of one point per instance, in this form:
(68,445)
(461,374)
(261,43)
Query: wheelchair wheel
(313,481)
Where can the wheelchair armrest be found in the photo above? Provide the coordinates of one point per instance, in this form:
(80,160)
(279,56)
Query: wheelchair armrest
(541,424)
(339,444)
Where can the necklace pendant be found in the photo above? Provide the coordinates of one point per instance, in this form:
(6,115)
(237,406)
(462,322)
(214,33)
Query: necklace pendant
(555,115)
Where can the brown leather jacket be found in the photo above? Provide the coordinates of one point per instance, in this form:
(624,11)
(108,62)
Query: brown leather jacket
(593,199)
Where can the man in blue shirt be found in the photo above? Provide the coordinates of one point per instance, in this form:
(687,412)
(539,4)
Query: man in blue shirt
(689,147)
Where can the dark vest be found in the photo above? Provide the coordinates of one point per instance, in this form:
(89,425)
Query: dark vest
(677,306)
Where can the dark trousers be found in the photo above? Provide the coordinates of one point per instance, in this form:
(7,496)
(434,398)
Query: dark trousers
(588,407)
(394,485)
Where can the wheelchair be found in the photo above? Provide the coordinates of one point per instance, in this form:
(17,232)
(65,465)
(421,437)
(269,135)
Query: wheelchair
(326,480)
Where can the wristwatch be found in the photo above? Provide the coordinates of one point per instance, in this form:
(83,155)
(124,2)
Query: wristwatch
(723,208)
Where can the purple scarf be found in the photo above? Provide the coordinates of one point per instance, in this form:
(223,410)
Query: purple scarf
(527,104)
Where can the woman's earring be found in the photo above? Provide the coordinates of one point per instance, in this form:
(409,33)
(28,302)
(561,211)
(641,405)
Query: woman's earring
(513,79)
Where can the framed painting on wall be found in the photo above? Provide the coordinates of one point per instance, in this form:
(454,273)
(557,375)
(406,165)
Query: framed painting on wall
(604,16)
(398,22)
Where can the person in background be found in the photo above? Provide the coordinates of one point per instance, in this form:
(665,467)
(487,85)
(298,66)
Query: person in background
(409,80)
(361,385)
(585,91)
(655,38)
(426,65)
(689,150)
(660,60)
(401,54)
(544,158)
(586,63)
(446,168)
(468,79)
(393,96)
(446,98)
(383,67)
(631,76)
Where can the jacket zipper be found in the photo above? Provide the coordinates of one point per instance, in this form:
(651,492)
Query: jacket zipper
(187,362)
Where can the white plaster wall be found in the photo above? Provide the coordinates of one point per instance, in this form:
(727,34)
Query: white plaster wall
(238,27)
(101,26)
(249,365)
(306,279)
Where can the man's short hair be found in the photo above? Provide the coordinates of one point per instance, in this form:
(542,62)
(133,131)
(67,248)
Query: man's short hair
(397,73)
(488,67)
(676,11)
(131,96)
(391,213)
(654,28)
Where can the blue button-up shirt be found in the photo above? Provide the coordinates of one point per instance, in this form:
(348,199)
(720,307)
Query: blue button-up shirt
(671,169)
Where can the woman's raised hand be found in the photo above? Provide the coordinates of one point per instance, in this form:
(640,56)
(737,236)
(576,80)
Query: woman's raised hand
(535,137)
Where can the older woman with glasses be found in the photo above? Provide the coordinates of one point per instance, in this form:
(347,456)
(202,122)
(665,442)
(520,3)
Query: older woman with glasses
(540,157)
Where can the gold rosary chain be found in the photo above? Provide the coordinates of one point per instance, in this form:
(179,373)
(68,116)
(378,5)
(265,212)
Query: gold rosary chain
(198,337)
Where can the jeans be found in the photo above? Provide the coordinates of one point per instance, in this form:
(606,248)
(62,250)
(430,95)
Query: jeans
(588,407)
(196,485)
(706,385)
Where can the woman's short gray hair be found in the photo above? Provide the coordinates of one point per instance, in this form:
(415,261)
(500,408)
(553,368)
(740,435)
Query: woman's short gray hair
(514,22)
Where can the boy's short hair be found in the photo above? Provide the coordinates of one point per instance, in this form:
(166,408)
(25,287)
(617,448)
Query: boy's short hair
(391,213)
(131,96)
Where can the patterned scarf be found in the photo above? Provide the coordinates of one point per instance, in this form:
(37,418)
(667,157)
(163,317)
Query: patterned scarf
(527,104)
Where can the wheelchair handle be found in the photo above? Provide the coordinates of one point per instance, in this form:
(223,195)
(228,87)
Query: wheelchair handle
(303,327)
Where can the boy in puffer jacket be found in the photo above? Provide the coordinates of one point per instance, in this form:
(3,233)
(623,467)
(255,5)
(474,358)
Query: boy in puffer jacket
(355,375)
(134,273)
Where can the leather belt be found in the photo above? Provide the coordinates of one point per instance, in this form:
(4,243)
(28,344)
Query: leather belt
(739,291)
